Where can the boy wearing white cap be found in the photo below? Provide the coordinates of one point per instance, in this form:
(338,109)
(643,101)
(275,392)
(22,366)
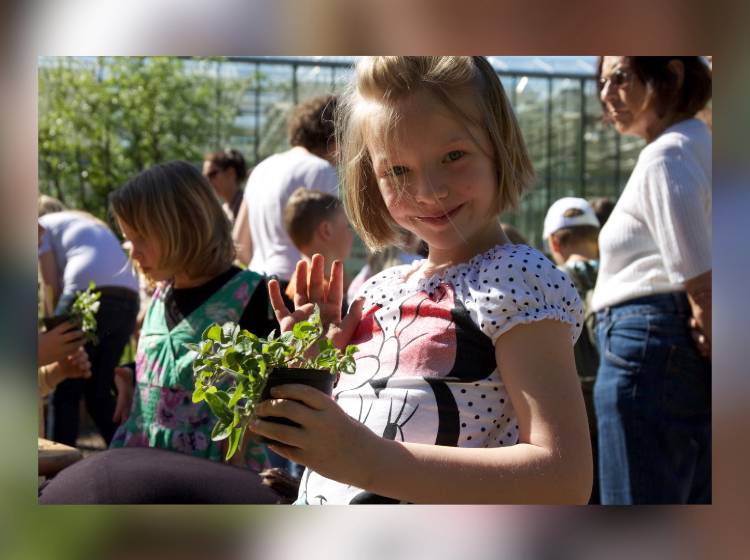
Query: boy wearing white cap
(571,230)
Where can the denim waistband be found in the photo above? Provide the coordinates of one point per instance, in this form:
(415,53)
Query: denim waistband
(673,303)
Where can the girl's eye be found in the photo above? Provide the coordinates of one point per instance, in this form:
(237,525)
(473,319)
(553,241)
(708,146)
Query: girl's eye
(396,170)
(454,155)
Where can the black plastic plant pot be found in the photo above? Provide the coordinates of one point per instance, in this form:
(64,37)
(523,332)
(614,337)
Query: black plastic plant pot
(319,378)
(51,322)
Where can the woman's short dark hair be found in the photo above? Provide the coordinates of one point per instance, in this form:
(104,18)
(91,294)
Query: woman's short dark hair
(229,158)
(311,123)
(685,100)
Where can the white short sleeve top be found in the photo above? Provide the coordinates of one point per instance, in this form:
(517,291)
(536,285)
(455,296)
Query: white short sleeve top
(426,367)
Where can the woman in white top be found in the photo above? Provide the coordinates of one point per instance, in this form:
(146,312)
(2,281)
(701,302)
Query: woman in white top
(653,293)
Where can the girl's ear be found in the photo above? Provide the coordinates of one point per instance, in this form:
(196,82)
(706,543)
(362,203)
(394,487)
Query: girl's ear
(325,230)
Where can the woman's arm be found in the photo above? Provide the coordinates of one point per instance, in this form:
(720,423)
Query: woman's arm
(699,295)
(243,242)
(551,464)
(50,283)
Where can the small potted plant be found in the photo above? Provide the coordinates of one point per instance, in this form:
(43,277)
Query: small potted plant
(227,353)
(82,313)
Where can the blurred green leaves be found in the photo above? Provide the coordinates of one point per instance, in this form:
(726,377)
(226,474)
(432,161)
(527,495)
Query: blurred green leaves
(102,120)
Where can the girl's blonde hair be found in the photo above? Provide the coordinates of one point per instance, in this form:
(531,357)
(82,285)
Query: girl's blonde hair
(174,205)
(386,80)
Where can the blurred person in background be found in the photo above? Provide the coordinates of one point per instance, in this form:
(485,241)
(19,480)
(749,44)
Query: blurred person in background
(515,236)
(408,249)
(71,364)
(60,353)
(47,205)
(75,248)
(603,206)
(571,230)
(316,223)
(227,172)
(653,292)
(706,114)
(309,164)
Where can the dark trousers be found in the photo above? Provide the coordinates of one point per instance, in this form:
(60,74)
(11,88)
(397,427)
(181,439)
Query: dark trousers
(146,475)
(653,405)
(115,325)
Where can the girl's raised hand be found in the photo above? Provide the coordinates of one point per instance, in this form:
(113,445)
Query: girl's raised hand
(312,289)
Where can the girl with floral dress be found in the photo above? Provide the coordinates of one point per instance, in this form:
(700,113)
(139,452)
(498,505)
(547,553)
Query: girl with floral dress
(465,389)
(181,239)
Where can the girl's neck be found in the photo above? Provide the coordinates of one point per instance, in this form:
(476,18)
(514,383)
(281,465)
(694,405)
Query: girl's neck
(440,259)
(182,280)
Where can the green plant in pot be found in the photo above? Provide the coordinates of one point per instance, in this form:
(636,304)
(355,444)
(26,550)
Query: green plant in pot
(82,313)
(235,370)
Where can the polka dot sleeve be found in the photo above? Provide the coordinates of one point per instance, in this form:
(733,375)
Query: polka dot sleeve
(516,284)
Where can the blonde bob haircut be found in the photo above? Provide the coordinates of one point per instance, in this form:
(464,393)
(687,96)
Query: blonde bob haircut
(386,80)
(174,205)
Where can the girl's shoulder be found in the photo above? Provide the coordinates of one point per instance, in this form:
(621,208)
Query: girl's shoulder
(511,285)
(384,282)
(501,288)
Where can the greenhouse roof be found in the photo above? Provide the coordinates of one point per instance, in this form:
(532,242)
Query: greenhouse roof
(575,65)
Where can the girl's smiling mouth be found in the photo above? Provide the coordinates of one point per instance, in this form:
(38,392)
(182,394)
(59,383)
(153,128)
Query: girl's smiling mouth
(441,218)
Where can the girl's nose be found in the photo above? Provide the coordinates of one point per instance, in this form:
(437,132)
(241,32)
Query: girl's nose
(430,187)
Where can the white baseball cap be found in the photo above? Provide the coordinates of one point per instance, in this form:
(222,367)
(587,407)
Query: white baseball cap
(556,218)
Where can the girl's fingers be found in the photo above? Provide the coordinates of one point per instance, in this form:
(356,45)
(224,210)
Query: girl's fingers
(65,327)
(286,451)
(349,324)
(282,433)
(336,285)
(305,394)
(285,408)
(72,336)
(300,283)
(277,302)
(317,279)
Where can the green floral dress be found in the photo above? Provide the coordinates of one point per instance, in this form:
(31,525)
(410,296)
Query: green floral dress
(163,414)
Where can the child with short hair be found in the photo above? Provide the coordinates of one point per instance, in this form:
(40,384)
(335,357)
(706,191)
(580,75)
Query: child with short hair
(181,239)
(465,389)
(317,224)
(571,230)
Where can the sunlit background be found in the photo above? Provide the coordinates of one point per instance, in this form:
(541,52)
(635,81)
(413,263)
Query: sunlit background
(290,29)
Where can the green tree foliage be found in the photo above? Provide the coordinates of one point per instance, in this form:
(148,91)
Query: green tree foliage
(103,120)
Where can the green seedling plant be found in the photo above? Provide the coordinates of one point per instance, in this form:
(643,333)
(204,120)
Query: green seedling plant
(227,353)
(83,312)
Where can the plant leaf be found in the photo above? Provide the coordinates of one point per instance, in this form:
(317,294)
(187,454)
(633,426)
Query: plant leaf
(234,441)
(213,332)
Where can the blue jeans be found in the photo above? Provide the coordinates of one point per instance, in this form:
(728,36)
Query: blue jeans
(653,405)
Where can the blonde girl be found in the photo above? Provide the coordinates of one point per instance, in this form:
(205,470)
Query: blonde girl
(181,240)
(466,389)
